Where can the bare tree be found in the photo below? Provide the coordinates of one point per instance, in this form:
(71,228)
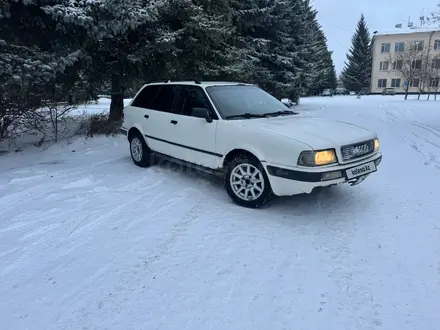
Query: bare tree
(426,71)
(429,71)
(54,119)
(407,64)
(433,73)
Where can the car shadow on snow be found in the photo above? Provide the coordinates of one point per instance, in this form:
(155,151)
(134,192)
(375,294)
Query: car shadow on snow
(188,172)
(336,199)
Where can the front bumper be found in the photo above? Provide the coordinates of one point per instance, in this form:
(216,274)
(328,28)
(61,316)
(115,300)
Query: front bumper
(293,181)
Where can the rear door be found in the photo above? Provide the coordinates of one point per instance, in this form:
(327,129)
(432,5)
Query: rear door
(155,104)
(140,108)
(161,120)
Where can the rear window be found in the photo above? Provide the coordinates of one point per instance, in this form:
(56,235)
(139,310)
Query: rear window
(156,97)
(145,98)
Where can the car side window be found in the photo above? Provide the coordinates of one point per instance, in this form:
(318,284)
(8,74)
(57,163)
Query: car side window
(164,99)
(193,97)
(145,97)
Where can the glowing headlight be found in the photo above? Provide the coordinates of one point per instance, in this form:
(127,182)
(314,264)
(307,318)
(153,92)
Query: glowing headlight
(317,158)
(376,145)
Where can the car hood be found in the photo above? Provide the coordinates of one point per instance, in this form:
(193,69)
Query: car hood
(317,132)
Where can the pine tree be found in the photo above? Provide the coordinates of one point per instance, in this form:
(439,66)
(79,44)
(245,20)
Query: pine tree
(357,72)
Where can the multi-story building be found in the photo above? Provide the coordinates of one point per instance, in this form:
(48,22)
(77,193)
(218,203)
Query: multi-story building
(387,46)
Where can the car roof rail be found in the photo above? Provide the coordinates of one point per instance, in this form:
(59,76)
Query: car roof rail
(198,82)
(156,81)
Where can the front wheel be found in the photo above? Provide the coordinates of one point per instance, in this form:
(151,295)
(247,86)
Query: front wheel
(246,182)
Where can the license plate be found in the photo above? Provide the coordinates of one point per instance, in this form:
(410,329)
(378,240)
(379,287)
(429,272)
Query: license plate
(360,170)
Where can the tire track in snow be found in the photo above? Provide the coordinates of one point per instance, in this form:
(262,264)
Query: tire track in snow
(135,276)
(47,242)
(15,200)
(131,276)
(128,205)
(429,157)
(427,128)
(179,228)
(74,171)
(343,266)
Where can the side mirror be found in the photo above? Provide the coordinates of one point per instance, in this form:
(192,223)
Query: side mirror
(201,113)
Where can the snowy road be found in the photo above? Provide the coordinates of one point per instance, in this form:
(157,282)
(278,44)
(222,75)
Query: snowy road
(89,241)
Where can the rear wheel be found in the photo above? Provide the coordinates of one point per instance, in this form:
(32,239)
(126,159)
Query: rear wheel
(140,153)
(246,182)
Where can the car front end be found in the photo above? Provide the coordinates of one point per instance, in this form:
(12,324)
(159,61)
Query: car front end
(349,163)
(327,92)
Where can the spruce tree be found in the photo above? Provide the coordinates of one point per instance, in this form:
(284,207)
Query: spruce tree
(319,68)
(330,78)
(357,72)
(248,17)
(34,54)
(270,35)
(116,36)
(194,40)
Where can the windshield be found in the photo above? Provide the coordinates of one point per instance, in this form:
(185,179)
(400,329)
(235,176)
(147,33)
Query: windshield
(233,100)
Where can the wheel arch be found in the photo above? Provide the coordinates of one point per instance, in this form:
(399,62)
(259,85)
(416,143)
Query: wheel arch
(135,130)
(240,151)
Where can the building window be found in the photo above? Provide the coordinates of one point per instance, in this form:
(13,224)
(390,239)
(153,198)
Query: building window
(385,48)
(434,82)
(414,83)
(418,45)
(384,66)
(417,64)
(437,44)
(399,47)
(395,83)
(436,63)
(381,83)
(397,65)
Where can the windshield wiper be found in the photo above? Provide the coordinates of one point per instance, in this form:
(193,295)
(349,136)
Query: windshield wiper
(263,115)
(280,113)
(246,115)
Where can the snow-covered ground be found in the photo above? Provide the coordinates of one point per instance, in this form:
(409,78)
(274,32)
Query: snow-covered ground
(90,241)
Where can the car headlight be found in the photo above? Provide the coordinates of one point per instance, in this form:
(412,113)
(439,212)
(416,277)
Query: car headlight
(317,158)
(376,144)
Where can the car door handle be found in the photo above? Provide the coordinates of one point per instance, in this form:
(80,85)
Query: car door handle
(174,122)
(146,116)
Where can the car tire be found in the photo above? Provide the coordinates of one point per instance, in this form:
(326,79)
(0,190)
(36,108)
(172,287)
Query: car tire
(139,151)
(258,189)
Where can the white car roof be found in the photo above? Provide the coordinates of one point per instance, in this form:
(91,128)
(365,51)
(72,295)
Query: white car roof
(198,83)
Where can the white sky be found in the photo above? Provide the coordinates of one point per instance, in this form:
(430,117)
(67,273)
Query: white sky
(339,18)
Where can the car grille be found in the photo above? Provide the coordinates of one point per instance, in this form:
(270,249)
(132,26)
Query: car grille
(357,150)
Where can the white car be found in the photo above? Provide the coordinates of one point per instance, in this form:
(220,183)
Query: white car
(327,92)
(287,102)
(241,132)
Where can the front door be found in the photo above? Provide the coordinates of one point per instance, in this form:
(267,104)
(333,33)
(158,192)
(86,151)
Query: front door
(195,138)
